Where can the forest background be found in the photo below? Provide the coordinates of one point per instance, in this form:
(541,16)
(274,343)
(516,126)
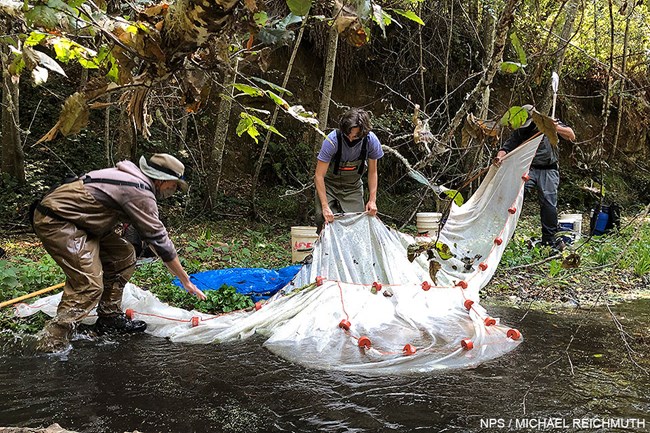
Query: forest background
(226,91)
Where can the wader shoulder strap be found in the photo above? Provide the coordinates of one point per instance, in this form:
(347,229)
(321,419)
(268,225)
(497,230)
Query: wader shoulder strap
(138,185)
(339,151)
(364,155)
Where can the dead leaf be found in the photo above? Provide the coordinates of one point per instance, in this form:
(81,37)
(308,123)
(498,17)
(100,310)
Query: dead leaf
(546,125)
(571,261)
(434,267)
(251,5)
(74,116)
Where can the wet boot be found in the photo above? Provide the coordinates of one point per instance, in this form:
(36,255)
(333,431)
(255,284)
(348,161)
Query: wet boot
(119,324)
(54,338)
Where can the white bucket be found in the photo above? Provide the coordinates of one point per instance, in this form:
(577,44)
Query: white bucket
(427,223)
(302,242)
(571,222)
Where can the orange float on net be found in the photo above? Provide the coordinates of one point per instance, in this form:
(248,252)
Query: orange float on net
(319,280)
(195,321)
(425,285)
(376,286)
(498,241)
(489,321)
(513,334)
(512,210)
(462,284)
(258,305)
(364,342)
(483,266)
(468,304)
(525,177)
(467,344)
(409,349)
(345,324)
(130,314)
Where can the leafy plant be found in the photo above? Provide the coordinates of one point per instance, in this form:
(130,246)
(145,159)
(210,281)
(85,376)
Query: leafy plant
(555,268)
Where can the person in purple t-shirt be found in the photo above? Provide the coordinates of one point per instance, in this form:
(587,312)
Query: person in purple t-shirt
(342,160)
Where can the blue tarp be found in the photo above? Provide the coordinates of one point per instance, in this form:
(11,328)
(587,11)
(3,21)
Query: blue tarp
(258,283)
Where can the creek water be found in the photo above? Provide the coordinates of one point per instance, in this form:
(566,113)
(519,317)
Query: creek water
(152,385)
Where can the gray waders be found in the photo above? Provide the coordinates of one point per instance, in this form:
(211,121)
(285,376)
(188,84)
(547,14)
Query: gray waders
(344,191)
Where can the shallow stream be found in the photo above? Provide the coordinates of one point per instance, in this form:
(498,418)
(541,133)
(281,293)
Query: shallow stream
(151,385)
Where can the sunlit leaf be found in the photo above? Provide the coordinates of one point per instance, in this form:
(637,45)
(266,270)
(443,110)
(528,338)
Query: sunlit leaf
(261,18)
(598,355)
(456,196)
(113,73)
(249,90)
(244,123)
(34,39)
(518,48)
(443,250)
(257,121)
(278,100)
(511,67)
(299,7)
(273,86)
(410,15)
(514,117)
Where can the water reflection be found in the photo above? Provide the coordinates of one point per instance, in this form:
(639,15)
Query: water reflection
(152,385)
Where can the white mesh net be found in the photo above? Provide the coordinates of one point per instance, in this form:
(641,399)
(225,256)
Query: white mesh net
(340,323)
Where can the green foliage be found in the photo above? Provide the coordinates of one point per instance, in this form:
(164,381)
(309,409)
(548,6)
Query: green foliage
(518,252)
(554,268)
(22,275)
(409,15)
(299,7)
(642,263)
(249,123)
(605,253)
(514,117)
(223,300)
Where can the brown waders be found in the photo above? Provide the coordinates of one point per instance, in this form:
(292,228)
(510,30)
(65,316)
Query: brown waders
(344,191)
(96,261)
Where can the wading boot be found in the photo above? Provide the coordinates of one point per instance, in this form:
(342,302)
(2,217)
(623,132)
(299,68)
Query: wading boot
(54,338)
(119,324)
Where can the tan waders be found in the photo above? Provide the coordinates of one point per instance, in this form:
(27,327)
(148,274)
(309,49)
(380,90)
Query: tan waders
(97,263)
(344,191)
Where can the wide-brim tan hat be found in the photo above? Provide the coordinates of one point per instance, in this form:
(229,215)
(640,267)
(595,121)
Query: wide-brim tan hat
(529,109)
(163,166)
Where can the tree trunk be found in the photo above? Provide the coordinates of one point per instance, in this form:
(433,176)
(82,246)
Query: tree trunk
(221,133)
(126,138)
(107,132)
(13,157)
(571,13)
(622,89)
(267,139)
(328,83)
(488,27)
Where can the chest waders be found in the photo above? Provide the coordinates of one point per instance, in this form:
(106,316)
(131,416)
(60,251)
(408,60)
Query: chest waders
(343,184)
(77,231)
